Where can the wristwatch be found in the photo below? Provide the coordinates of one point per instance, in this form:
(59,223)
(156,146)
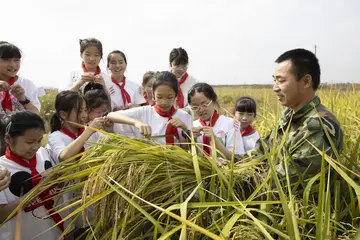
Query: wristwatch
(27,101)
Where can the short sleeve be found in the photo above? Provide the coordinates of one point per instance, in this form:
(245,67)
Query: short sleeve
(231,135)
(56,145)
(32,93)
(137,113)
(3,199)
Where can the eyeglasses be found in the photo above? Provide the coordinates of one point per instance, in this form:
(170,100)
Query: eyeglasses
(197,108)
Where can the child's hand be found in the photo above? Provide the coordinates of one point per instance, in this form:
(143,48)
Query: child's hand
(208,131)
(99,79)
(178,124)
(98,123)
(196,131)
(4,86)
(4,178)
(144,129)
(86,77)
(18,92)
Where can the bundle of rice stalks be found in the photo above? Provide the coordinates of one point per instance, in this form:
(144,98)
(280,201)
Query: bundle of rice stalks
(161,174)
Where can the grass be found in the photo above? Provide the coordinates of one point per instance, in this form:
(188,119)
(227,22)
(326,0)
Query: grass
(141,190)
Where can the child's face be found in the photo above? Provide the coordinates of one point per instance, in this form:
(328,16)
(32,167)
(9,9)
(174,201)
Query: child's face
(245,118)
(117,64)
(202,106)
(179,70)
(164,97)
(80,117)
(9,67)
(27,145)
(91,57)
(100,111)
(148,87)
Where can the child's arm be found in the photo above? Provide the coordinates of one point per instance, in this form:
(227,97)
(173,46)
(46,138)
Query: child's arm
(117,117)
(7,209)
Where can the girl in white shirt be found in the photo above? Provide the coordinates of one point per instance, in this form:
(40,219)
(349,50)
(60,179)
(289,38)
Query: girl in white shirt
(16,93)
(147,84)
(26,160)
(68,135)
(124,93)
(203,101)
(179,61)
(91,53)
(158,120)
(245,113)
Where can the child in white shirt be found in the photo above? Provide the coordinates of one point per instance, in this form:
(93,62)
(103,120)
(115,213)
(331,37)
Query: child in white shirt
(16,93)
(161,119)
(26,160)
(203,101)
(245,113)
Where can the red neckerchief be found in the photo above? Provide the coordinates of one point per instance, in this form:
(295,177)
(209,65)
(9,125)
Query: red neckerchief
(6,102)
(180,101)
(70,134)
(146,98)
(170,129)
(212,122)
(124,94)
(98,70)
(247,131)
(45,196)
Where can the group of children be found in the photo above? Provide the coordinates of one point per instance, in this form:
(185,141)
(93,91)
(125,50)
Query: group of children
(163,107)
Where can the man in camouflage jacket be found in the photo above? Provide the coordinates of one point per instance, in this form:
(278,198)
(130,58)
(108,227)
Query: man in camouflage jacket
(303,124)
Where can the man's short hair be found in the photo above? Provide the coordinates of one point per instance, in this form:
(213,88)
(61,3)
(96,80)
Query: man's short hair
(303,62)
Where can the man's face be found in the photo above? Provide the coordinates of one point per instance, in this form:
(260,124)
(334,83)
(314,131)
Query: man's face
(289,91)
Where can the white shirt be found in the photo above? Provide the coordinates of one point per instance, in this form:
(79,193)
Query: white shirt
(75,75)
(58,141)
(149,116)
(225,131)
(32,223)
(41,91)
(185,88)
(31,91)
(250,140)
(132,88)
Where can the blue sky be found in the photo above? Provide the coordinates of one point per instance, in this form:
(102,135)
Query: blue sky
(228,41)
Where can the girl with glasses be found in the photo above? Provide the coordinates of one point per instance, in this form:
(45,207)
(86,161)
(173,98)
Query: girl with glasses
(203,101)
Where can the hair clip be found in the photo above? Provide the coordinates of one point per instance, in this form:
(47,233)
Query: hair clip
(7,130)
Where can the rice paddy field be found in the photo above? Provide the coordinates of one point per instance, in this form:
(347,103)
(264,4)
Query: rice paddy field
(141,190)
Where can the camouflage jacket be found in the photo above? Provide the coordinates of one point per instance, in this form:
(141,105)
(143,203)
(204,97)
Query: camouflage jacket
(296,131)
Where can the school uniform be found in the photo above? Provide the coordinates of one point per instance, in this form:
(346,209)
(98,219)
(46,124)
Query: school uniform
(9,103)
(185,84)
(124,93)
(57,142)
(250,137)
(35,217)
(75,76)
(151,116)
(224,130)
